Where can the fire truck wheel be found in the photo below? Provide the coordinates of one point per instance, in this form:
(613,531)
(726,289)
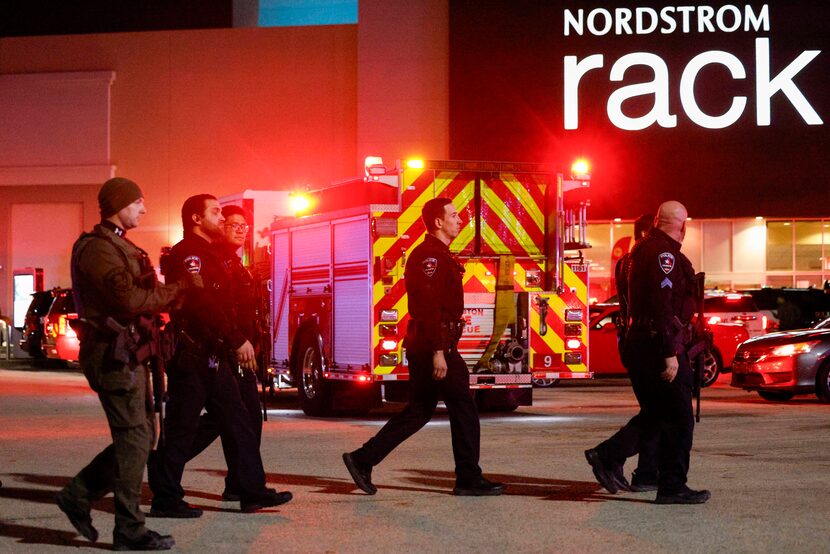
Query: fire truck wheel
(315,393)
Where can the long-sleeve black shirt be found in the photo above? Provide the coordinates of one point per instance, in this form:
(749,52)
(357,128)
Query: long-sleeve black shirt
(207,313)
(660,287)
(435,295)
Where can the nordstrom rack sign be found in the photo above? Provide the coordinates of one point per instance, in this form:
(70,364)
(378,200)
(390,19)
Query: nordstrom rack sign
(687,20)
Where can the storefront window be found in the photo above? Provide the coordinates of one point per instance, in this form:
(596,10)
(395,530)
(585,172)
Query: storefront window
(600,252)
(779,245)
(808,245)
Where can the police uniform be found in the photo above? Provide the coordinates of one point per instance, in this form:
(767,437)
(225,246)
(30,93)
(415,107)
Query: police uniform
(202,375)
(245,315)
(661,304)
(112,277)
(436,304)
(635,437)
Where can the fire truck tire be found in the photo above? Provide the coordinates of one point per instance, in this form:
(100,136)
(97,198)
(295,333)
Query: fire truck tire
(494,403)
(314,391)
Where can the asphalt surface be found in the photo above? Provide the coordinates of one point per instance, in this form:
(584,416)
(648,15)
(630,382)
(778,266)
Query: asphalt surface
(767,465)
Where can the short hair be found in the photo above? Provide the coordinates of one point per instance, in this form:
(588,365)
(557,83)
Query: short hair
(642,225)
(233,209)
(432,210)
(194,205)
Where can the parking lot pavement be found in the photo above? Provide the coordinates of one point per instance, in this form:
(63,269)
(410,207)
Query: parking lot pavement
(767,465)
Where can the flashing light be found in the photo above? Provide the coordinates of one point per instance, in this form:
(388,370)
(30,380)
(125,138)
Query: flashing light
(573,344)
(389,344)
(794,349)
(363,378)
(389,315)
(581,170)
(714,319)
(299,202)
(373,166)
(733,297)
(415,164)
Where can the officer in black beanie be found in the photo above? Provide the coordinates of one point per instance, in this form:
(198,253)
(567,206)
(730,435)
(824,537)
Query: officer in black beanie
(113,280)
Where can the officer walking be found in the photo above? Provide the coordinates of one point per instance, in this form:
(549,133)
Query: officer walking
(661,305)
(244,292)
(209,347)
(436,304)
(113,278)
(644,478)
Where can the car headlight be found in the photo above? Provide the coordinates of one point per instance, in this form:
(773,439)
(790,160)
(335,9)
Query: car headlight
(794,349)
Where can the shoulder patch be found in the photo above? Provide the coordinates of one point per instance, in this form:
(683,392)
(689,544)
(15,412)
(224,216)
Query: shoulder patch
(193,264)
(429,266)
(118,279)
(666,260)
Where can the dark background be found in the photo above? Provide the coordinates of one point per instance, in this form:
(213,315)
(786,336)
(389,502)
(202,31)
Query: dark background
(506,102)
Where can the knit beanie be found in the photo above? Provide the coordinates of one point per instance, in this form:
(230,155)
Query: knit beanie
(116,194)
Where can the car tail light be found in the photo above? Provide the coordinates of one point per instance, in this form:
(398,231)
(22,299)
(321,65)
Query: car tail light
(573,344)
(389,344)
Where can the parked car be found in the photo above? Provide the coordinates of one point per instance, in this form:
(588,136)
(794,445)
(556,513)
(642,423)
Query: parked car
(794,308)
(59,338)
(740,308)
(780,365)
(31,340)
(604,359)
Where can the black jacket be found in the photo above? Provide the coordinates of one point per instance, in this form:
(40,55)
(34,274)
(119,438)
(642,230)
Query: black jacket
(207,314)
(661,289)
(435,296)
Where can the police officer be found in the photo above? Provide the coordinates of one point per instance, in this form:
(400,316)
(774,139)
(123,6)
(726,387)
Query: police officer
(113,278)
(661,304)
(631,434)
(244,291)
(436,304)
(209,348)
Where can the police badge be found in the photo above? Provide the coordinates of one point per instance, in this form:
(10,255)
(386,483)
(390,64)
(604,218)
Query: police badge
(666,260)
(193,264)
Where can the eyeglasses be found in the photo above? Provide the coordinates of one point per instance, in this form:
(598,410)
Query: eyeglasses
(237,227)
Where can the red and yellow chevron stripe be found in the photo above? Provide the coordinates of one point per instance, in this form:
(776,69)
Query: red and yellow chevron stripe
(548,351)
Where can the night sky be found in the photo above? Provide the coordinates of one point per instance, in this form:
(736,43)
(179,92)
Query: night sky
(506,87)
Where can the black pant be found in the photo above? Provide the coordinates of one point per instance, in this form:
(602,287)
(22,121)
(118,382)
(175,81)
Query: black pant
(193,385)
(665,414)
(209,429)
(424,390)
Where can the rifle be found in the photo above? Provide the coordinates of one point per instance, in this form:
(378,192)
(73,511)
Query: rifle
(263,335)
(143,342)
(700,332)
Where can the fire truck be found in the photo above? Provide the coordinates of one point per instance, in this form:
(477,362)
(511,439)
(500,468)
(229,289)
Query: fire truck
(338,296)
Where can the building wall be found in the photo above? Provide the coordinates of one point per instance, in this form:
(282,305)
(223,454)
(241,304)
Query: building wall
(213,111)
(403,79)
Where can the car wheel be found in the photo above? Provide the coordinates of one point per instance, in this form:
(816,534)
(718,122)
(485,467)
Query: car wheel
(712,366)
(545,383)
(823,383)
(775,396)
(315,392)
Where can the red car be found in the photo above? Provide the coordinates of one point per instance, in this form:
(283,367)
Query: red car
(60,341)
(604,358)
